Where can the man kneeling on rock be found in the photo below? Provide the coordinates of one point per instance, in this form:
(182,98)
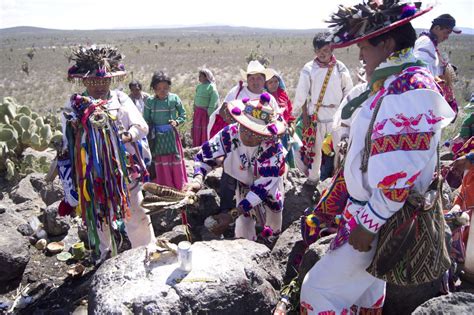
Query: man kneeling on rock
(250,151)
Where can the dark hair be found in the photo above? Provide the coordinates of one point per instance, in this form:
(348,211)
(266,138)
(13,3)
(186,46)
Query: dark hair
(158,77)
(134,83)
(444,21)
(404,37)
(320,40)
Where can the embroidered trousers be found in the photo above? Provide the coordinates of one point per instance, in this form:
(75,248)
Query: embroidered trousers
(339,281)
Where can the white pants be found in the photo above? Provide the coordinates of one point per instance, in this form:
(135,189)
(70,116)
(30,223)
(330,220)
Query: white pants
(322,129)
(245,226)
(339,280)
(138,226)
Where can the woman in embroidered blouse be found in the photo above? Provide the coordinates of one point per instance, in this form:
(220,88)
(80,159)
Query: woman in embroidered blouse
(164,113)
(205,103)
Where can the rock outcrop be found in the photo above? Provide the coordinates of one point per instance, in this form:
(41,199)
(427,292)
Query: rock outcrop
(227,278)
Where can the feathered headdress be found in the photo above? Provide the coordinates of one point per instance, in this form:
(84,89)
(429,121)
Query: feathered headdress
(96,62)
(366,20)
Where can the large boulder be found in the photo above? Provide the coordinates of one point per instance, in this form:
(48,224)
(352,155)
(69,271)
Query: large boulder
(288,252)
(226,278)
(24,191)
(14,254)
(53,224)
(49,192)
(298,197)
(455,303)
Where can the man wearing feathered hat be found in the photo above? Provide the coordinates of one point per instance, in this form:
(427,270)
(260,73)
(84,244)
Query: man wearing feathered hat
(392,150)
(322,85)
(253,155)
(102,138)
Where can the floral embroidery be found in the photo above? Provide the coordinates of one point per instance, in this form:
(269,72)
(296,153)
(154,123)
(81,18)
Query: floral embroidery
(401,142)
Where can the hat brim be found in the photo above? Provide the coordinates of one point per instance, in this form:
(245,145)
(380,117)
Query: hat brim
(268,75)
(258,129)
(116,74)
(457,30)
(382,30)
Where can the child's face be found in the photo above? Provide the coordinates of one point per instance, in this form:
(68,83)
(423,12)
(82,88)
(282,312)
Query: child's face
(202,78)
(162,90)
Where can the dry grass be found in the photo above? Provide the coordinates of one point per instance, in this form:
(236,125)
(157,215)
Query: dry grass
(179,52)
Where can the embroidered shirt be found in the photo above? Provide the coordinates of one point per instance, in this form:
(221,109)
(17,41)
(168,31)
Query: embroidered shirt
(403,145)
(206,97)
(160,112)
(425,50)
(259,168)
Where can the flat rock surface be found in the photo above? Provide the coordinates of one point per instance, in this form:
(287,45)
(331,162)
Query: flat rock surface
(226,278)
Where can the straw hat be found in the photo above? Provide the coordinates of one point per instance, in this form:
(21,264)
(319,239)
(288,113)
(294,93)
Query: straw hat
(257,115)
(363,21)
(96,62)
(255,67)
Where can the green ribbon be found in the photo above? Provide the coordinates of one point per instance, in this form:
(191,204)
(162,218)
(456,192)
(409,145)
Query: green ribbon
(380,74)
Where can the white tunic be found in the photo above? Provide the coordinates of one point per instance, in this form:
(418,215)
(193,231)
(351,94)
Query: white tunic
(310,83)
(425,50)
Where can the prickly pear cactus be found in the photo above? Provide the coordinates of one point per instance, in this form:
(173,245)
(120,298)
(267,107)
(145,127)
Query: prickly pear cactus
(21,128)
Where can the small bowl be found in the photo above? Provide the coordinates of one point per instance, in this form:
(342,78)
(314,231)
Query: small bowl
(55,247)
(64,256)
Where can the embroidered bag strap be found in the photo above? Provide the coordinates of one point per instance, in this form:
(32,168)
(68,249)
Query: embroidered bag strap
(368,137)
(319,103)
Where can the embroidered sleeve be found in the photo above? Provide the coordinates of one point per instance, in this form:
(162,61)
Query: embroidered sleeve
(218,146)
(302,91)
(267,187)
(403,148)
(181,112)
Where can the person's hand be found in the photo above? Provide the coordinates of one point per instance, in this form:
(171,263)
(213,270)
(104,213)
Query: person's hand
(361,239)
(126,137)
(195,185)
(173,123)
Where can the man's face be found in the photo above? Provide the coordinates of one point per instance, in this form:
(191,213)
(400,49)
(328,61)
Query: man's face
(256,82)
(98,88)
(324,53)
(135,91)
(371,56)
(442,34)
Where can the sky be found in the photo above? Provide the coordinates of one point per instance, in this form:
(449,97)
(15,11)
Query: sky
(119,14)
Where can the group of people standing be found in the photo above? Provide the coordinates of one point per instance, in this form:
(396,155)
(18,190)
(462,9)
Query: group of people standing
(390,124)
